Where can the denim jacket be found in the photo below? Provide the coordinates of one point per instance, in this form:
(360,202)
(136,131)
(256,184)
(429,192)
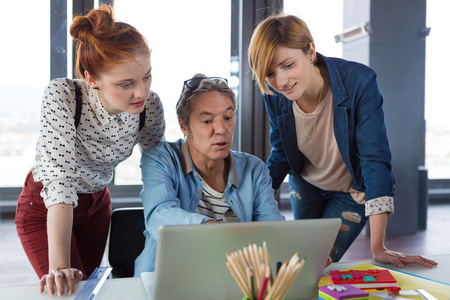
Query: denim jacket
(172,189)
(359,128)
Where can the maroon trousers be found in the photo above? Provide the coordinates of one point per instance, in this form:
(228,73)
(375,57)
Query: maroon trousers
(89,233)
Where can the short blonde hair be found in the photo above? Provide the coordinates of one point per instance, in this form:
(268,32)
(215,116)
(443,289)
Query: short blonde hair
(277,30)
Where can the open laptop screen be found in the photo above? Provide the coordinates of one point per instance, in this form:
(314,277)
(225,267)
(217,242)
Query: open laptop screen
(190,260)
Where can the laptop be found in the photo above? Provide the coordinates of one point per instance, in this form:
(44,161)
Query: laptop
(190,260)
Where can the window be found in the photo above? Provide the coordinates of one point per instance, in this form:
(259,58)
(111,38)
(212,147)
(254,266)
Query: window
(25,66)
(437,101)
(186,37)
(316,14)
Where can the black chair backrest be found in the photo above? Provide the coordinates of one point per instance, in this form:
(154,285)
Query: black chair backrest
(126,240)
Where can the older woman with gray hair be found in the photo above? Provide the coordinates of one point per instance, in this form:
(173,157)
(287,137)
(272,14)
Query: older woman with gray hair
(199,179)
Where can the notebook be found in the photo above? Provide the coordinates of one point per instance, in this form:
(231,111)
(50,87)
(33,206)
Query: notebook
(190,260)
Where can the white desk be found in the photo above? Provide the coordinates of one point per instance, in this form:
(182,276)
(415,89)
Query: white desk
(124,288)
(133,288)
(439,273)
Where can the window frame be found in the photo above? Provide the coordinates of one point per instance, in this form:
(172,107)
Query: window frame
(255,124)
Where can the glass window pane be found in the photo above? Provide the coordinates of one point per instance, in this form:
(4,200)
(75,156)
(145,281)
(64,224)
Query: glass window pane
(186,37)
(324,19)
(437,102)
(25,66)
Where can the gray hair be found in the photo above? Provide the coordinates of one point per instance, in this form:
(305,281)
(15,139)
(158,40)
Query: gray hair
(200,85)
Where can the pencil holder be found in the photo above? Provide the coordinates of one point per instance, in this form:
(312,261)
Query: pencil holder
(250,267)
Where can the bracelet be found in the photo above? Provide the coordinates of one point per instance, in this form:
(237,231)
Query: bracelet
(58,269)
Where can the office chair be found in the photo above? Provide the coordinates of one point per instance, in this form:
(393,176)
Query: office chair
(126,240)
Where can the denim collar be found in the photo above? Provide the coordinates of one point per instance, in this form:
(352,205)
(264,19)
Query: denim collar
(337,84)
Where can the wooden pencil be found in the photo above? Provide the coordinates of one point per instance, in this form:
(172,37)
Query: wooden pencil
(294,259)
(256,266)
(263,291)
(281,285)
(278,281)
(241,284)
(266,252)
(247,255)
(241,255)
(239,263)
(285,284)
(240,272)
(251,283)
(240,275)
(261,253)
(290,278)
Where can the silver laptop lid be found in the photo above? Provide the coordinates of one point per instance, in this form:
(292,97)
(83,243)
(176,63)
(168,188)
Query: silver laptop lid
(190,260)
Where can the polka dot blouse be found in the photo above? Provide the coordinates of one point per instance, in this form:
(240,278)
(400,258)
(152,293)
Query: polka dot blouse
(82,160)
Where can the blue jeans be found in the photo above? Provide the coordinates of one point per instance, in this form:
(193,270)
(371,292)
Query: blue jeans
(311,202)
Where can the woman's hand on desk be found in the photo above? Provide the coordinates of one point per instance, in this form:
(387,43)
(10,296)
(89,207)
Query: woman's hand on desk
(383,255)
(399,259)
(58,277)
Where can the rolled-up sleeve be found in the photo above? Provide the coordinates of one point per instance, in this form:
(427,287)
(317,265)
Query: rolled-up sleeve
(55,160)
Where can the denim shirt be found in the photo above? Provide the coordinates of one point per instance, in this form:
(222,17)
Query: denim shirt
(172,189)
(359,128)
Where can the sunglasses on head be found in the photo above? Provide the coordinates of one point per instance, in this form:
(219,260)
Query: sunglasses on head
(194,83)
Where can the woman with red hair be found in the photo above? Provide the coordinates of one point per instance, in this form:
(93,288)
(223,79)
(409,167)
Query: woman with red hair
(88,126)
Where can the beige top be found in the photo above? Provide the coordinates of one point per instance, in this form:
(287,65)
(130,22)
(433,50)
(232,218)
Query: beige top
(315,133)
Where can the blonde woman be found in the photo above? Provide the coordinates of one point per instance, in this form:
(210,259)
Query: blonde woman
(327,131)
